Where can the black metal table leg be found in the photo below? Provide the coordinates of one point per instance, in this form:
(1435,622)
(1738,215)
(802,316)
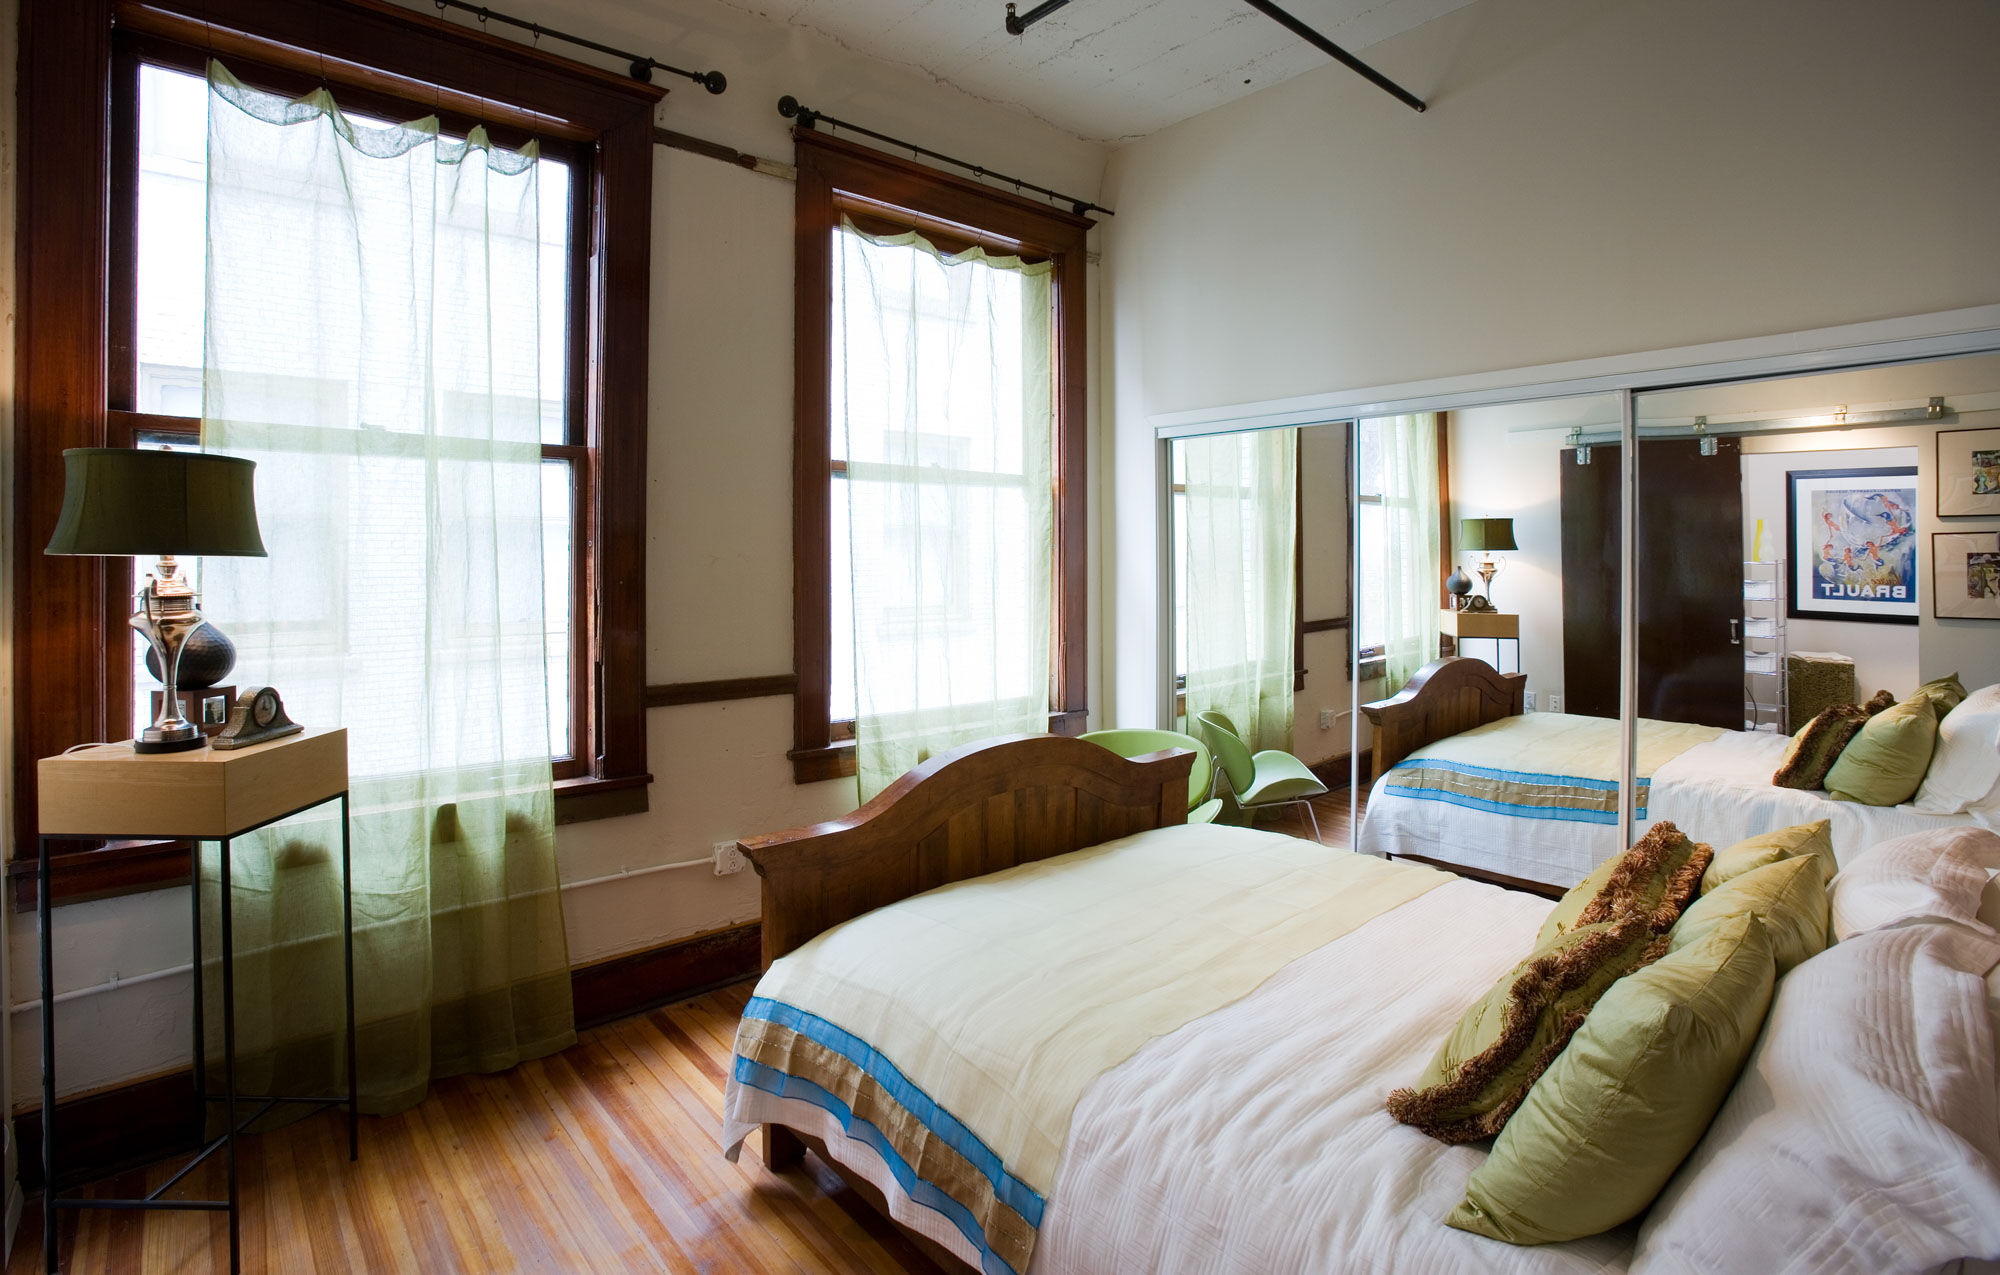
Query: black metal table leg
(48,1060)
(347,943)
(200,1020)
(229,1060)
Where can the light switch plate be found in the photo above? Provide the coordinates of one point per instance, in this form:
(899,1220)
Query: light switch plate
(1528,701)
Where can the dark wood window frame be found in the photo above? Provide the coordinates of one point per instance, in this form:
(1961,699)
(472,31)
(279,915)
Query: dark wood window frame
(837,176)
(70,611)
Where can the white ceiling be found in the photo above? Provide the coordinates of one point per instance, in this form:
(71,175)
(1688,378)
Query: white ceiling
(1103,70)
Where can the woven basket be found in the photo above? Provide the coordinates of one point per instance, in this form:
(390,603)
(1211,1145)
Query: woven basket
(1814,683)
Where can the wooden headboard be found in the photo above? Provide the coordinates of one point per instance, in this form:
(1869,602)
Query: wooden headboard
(965,813)
(1445,697)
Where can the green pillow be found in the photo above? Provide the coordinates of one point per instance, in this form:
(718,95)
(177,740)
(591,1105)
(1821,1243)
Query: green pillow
(1617,1112)
(1788,896)
(1814,838)
(1658,875)
(1485,1066)
(1885,763)
(1944,693)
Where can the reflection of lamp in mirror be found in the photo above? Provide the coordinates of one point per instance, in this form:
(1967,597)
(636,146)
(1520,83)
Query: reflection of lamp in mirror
(1487,536)
(138,502)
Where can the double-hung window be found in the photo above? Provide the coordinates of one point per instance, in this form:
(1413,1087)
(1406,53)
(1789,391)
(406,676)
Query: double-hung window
(938,483)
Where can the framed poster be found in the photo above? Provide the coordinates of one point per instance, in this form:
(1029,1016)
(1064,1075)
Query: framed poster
(1854,544)
(1965,575)
(1968,467)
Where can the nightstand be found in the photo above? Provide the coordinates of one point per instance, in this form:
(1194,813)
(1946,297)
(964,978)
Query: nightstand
(1483,626)
(202,795)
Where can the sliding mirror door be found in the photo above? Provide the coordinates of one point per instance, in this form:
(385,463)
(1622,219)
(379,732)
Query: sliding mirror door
(1807,545)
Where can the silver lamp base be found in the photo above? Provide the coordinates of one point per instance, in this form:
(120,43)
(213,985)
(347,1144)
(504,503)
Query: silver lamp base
(167,616)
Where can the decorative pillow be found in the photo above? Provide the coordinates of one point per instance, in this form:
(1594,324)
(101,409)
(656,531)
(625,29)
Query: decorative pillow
(1817,745)
(1604,1129)
(1945,693)
(1862,1136)
(1657,876)
(1965,771)
(1886,761)
(1786,843)
(1483,1069)
(1936,876)
(1789,896)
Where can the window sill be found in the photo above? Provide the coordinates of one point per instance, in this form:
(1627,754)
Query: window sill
(587,797)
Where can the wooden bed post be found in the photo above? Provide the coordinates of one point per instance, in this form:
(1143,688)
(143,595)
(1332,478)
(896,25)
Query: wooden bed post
(1445,697)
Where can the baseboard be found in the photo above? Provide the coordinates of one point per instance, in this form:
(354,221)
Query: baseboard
(626,985)
(127,1126)
(1335,773)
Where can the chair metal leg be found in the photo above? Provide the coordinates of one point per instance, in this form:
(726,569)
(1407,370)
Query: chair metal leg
(1315,818)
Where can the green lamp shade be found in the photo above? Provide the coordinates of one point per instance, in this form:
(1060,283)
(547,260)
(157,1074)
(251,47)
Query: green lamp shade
(143,502)
(1486,534)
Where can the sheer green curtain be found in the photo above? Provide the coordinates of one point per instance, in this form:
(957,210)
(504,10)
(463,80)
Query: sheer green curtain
(372,343)
(1241,510)
(1410,549)
(943,511)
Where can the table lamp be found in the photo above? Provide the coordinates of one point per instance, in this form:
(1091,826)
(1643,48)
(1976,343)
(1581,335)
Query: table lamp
(1487,536)
(140,502)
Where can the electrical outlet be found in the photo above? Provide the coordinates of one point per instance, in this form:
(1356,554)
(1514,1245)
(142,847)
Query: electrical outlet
(728,859)
(1326,719)
(1528,701)
(1555,703)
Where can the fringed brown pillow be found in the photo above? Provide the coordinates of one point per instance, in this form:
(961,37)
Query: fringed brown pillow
(1658,876)
(1820,742)
(1500,1047)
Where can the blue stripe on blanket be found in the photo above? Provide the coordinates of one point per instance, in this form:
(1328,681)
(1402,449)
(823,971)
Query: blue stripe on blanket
(1519,810)
(784,1085)
(1007,1188)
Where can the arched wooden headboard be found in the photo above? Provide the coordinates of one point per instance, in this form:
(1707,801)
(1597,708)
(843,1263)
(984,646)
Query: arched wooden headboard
(978,809)
(1445,697)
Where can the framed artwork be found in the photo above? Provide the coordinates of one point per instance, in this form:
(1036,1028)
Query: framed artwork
(1965,575)
(1968,467)
(1854,544)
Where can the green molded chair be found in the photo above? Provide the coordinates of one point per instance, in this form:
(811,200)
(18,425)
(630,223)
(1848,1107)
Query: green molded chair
(1269,778)
(1202,808)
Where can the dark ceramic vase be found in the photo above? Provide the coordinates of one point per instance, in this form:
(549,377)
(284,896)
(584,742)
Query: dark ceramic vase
(205,660)
(1458,584)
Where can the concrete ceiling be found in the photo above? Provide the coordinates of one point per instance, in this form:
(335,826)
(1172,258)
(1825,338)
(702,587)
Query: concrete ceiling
(1102,70)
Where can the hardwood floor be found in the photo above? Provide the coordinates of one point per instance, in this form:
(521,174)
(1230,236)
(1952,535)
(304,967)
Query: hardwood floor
(604,1158)
(1335,812)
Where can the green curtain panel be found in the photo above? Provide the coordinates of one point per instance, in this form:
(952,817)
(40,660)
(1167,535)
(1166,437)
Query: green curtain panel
(943,508)
(1410,543)
(373,343)
(1242,514)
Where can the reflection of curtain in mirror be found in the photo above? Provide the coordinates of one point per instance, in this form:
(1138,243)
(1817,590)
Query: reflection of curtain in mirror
(373,344)
(1241,511)
(942,418)
(1410,548)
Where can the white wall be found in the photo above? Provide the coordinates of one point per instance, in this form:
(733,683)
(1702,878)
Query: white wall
(1594,177)
(719,496)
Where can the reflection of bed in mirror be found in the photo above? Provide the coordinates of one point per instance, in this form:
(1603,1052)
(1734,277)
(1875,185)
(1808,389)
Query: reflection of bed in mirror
(1466,781)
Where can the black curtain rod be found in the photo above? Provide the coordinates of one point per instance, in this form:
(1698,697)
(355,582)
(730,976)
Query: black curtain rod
(1018,23)
(791,108)
(640,68)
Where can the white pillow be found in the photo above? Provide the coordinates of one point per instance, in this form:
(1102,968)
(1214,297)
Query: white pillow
(1925,876)
(1965,769)
(1864,1133)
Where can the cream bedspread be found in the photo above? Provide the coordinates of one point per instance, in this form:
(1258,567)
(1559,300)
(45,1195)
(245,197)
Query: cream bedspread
(1000,1000)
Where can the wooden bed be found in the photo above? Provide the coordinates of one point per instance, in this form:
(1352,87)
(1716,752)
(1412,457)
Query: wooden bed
(962,814)
(1445,697)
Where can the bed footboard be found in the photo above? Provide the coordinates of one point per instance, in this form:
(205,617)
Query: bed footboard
(978,809)
(1445,697)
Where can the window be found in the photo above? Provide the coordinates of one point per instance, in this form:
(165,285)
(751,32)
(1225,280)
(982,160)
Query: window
(882,196)
(122,330)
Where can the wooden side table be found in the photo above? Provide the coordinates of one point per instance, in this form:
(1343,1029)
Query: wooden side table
(206,795)
(1489,626)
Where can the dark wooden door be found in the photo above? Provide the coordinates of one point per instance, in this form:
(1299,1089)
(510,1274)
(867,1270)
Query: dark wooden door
(1690,582)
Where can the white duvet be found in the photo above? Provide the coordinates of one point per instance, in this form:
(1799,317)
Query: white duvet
(1719,792)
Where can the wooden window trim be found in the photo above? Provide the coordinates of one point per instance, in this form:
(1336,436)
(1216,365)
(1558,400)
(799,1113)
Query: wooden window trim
(834,172)
(69,609)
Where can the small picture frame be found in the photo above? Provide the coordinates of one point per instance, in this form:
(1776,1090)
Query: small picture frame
(1965,575)
(1853,535)
(1968,471)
